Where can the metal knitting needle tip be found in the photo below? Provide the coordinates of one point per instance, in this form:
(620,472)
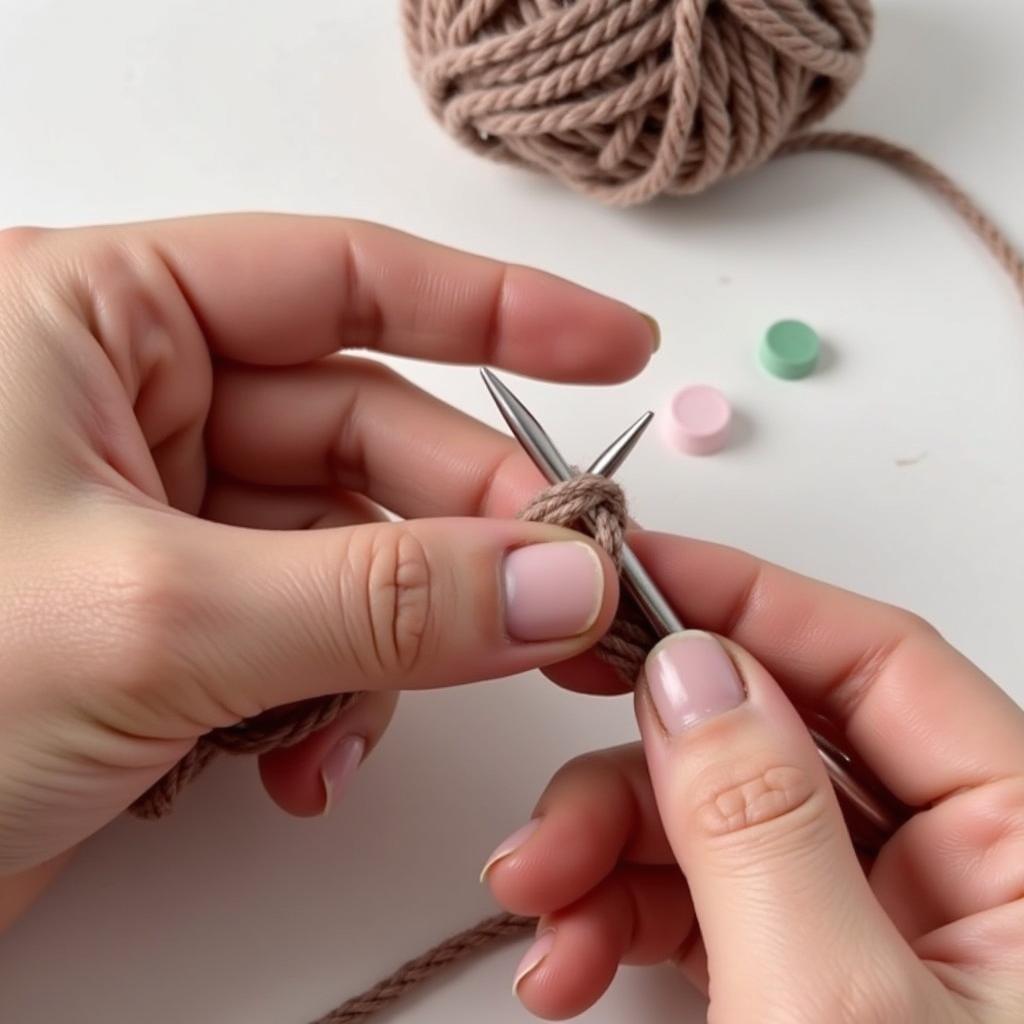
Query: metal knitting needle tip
(608,462)
(530,434)
(527,431)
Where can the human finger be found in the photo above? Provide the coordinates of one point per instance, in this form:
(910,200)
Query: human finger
(275,290)
(257,619)
(636,916)
(235,503)
(313,776)
(925,720)
(957,859)
(597,811)
(356,424)
(786,914)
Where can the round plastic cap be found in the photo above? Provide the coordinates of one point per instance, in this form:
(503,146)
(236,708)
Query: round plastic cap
(790,349)
(698,419)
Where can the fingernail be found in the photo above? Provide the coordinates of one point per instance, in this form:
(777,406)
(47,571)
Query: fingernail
(510,845)
(690,679)
(655,332)
(534,957)
(338,767)
(552,591)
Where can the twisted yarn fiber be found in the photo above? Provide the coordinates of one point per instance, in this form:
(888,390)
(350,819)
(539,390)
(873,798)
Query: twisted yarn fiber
(626,99)
(276,728)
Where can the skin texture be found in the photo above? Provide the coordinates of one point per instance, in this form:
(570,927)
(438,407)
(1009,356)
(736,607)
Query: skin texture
(768,907)
(195,483)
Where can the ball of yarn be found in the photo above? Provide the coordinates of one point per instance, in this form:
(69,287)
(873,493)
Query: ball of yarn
(628,99)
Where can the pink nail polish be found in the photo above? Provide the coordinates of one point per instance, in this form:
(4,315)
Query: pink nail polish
(691,678)
(552,591)
(510,845)
(338,767)
(534,957)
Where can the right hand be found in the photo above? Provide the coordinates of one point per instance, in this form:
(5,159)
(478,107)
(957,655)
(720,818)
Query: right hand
(173,418)
(719,844)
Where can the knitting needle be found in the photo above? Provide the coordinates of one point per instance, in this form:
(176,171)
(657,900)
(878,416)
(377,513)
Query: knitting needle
(652,602)
(618,451)
(529,433)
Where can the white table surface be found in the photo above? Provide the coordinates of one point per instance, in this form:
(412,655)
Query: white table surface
(116,110)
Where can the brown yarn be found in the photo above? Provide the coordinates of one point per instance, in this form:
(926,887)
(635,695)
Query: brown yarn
(916,167)
(570,503)
(445,954)
(276,728)
(624,100)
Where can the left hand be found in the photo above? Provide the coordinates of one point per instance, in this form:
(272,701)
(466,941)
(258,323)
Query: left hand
(175,417)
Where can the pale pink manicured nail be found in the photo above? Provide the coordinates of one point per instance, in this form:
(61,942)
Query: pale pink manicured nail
(552,591)
(691,679)
(510,845)
(339,765)
(534,957)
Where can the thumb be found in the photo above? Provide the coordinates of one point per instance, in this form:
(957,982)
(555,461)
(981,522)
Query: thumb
(233,621)
(788,919)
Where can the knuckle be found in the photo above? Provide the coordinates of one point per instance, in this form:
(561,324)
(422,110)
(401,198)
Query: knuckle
(731,802)
(603,769)
(135,308)
(391,621)
(149,648)
(17,241)
(26,291)
(136,303)
(141,614)
(991,826)
(917,626)
(587,770)
(581,764)
(374,372)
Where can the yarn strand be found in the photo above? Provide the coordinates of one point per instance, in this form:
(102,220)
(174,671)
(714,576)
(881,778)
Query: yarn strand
(921,170)
(491,930)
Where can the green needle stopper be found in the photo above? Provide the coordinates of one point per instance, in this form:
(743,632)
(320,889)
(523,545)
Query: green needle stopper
(790,349)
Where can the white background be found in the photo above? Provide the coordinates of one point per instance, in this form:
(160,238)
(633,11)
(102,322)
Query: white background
(116,110)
